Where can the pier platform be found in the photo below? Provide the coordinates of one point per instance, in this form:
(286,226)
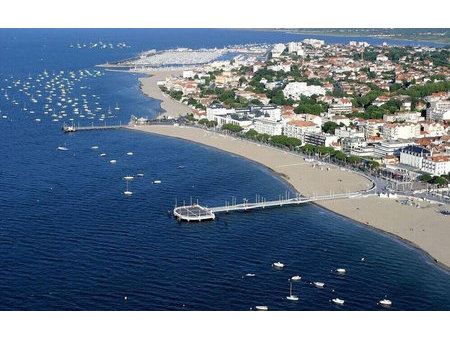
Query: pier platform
(193,212)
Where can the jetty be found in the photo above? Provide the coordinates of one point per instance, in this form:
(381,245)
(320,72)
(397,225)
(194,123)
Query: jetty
(196,212)
(72,128)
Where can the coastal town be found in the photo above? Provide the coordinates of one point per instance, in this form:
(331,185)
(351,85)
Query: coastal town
(385,109)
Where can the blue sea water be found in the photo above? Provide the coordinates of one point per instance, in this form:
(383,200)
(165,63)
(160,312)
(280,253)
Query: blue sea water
(70,239)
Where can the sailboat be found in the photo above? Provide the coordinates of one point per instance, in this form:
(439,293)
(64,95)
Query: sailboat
(117,107)
(291,296)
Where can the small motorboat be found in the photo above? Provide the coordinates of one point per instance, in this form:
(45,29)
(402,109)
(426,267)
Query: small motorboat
(338,301)
(249,275)
(363,259)
(181,167)
(130,153)
(278,265)
(261,308)
(319,284)
(296,278)
(292,298)
(113,161)
(102,155)
(128,178)
(341,271)
(62,148)
(156,181)
(94,147)
(140,175)
(127,192)
(385,302)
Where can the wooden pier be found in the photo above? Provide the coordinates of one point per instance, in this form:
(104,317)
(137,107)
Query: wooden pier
(195,212)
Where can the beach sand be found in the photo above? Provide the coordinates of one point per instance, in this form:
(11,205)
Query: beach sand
(422,227)
(171,107)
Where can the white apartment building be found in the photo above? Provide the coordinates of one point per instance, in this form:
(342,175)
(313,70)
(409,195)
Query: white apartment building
(278,49)
(395,131)
(414,156)
(436,165)
(188,74)
(295,47)
(232,119)
(391,148)
(268,126)
(406,117)
(218,110)
(298,129)
(314,42)
(433,129)
(356,146)
(341,106)
(294,90)
(273,112)
(319,139)
(373,127)
(347,132)
(439,110)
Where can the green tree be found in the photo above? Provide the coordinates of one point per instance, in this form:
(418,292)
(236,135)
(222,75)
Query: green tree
(232,127)
(329,127)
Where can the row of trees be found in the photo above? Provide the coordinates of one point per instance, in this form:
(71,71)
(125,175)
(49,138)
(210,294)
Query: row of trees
(439,180)
(337,155)
(207,122)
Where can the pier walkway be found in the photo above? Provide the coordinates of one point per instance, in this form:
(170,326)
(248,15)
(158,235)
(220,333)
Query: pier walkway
(72,129)
(195,212)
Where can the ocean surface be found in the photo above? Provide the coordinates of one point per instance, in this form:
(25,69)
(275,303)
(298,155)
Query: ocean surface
(71,240)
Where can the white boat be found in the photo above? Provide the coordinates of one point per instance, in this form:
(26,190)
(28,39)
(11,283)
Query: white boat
(385,302)
(94,147)
(278,265)
(261,308)
(156,181)
(102,155)
(37,120)
(127,192)
(129,153)
(128,178)
(338,301)
(319,284)
(291,297)
(140,175)
(112,161)
(296,278)
(62,148)
(249,275)
(341,271)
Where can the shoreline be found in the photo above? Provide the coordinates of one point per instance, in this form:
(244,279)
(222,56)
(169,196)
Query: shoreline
(388,39)
(345,208)
(422,228)
(170,107)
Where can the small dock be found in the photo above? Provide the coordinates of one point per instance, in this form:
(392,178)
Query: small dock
(72,129)
(195,212)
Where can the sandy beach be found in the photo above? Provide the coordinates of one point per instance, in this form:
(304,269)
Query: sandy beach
(150,88)
(422,227)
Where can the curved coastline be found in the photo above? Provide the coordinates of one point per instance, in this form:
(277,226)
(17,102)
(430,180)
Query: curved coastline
(423,228)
